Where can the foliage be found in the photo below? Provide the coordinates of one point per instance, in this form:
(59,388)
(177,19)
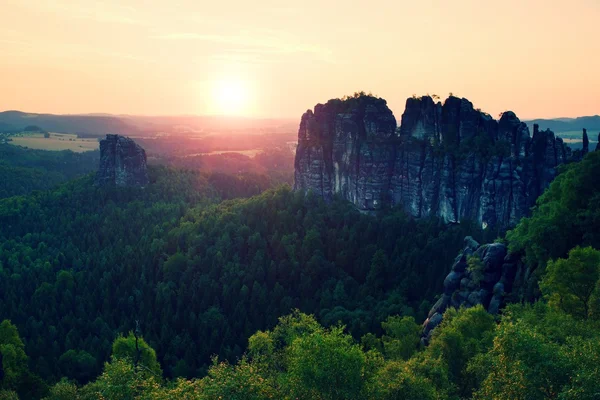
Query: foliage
(536,352)
(475,267)
(203,278)
(396,381)
(136,350)
(199,277)
(540,353)
(566,215)
(402,337)
(25,170)
(353,102)
(15,377)
(462,335)
(311,358)
(13,357)
(572,284)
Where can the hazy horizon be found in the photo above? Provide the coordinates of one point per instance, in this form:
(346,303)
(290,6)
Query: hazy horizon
(536,59)
(248,117)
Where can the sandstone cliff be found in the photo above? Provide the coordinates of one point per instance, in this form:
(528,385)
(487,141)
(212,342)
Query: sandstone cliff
(122,162)
(448,160)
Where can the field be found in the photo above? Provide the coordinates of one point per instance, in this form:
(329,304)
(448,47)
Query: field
(55,141)
(249,153)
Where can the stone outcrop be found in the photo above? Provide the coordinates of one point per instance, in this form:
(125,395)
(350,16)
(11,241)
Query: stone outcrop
(122,162)
(448,160)
(481,274)
(486,274)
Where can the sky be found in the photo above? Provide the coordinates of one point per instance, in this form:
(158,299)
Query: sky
(276,58)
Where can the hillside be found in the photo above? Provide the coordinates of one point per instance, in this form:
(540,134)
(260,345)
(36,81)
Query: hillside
(101,124)
(559,125)
(82,265)
(91,125)
(25,170)
(242,290)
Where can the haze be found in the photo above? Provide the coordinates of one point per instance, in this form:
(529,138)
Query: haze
(263,58)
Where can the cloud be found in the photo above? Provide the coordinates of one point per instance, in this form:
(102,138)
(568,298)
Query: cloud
(46,51)
(245,58)
(253,43)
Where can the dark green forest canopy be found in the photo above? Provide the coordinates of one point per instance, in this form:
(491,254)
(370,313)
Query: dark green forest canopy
(80,264)
(565,216)
(25,170)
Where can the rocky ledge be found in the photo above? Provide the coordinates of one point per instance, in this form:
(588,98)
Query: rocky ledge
(447,160)
(122,162)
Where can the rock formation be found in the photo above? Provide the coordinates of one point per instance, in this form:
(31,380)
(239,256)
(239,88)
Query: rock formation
(122,162)
(481,274)
(449,160)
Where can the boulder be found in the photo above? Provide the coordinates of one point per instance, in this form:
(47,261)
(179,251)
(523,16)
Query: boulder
(490,286)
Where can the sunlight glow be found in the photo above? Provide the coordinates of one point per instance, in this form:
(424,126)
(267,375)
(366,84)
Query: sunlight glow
(230,97)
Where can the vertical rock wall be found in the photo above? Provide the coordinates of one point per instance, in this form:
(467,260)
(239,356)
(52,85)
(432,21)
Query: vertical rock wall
(122,162)
(448,160)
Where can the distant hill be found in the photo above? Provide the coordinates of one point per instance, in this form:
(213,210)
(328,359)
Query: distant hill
(86,125)
(558,125)
(4,127)
(571,129)
(130,125)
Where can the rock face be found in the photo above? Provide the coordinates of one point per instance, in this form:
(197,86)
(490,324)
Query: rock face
(347,148)
(447,160)
(481,274)
(122,162)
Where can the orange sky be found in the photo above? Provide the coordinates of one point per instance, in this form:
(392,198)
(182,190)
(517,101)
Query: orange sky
(539,58)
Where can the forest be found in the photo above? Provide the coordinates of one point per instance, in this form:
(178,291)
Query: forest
(217,286)
(25,170)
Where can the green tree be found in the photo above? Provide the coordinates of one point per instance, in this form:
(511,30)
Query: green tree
(14,368)
(137,352)
(63,390)
(395,381)
(8,395)
(79,365)
(567,214)
(521,365)
(377,272)
(401,338)
(242,381)
(325,365)
(120,381)
(462,335)
(571,284)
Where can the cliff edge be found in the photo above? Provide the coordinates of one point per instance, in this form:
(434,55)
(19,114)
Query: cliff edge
(447,160)
(122,162)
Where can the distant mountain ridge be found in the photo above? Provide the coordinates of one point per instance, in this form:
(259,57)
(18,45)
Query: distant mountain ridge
(558,125)
(79,124)
(101,124)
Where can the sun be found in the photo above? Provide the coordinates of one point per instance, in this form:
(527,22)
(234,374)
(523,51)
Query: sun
(230,97)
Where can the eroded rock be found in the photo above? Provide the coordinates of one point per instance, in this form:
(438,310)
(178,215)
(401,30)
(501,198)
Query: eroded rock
(448,160)
(489,278)
(122,162)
